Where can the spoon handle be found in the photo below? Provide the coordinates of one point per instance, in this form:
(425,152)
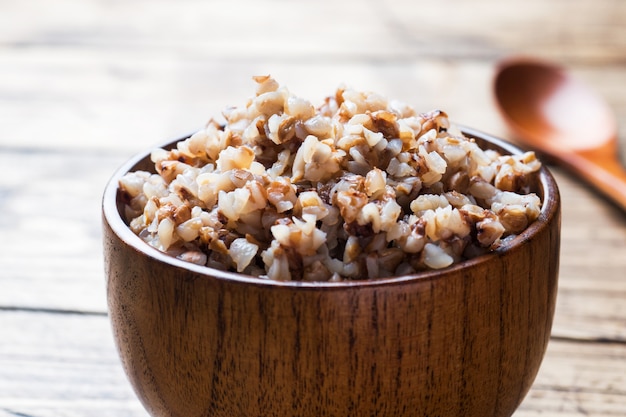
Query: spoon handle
(608,175)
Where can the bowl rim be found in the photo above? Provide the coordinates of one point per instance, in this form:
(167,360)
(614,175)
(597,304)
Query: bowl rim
(549,212)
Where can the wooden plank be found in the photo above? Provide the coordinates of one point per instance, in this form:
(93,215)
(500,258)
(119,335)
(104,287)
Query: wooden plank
(135,102)
(61,365)
(579,379)
(66,365)
(592,289)
(65,268)
(51,230)
(119,102)
(327,28)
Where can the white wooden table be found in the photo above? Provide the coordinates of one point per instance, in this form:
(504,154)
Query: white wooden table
(84,84)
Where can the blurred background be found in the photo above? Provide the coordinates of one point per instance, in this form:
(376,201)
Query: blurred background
(99,73)
(85,84)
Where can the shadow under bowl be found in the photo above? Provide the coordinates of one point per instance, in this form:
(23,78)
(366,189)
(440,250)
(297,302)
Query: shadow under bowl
(464,341)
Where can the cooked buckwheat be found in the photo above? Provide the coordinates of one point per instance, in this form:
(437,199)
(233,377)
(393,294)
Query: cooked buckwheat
(358,188)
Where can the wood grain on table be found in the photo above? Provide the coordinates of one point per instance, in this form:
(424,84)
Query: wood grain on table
(84,84)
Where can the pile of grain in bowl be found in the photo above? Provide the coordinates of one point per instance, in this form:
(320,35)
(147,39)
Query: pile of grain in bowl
(360,187)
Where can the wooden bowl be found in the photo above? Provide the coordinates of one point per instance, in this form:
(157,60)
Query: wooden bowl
(464,341)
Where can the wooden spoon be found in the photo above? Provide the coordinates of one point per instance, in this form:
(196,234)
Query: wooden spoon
(557,115)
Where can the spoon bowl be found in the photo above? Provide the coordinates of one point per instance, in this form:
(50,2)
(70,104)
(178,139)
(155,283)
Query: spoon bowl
(554,113)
